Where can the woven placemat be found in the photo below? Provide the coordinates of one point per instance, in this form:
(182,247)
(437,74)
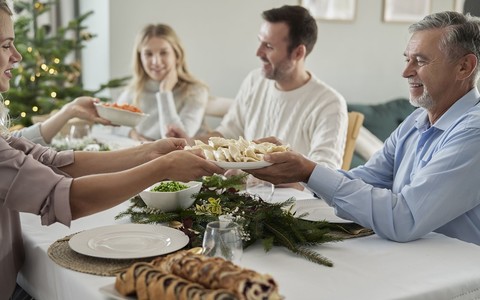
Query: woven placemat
(61,253)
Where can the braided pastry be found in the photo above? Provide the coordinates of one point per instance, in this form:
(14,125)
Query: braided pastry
(126,282)
(149,282)
(217,273)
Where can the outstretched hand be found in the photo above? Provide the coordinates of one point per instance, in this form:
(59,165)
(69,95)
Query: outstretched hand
(163,146)
(189,165)
(288,167)
(84,108)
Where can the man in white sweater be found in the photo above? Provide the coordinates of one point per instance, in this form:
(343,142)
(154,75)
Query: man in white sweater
(283,102)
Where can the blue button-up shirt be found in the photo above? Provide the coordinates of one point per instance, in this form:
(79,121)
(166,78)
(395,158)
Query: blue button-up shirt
(425,178)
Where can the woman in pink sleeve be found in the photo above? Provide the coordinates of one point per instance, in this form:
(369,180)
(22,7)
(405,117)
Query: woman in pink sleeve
(63,186)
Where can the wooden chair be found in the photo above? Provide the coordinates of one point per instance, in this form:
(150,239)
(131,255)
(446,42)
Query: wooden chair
(355,122)
(217,107)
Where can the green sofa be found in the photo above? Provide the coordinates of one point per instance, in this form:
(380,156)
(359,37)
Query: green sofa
(381,119)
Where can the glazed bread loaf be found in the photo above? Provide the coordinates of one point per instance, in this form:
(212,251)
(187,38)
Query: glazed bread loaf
(146,282)
(184,275)
(217,273)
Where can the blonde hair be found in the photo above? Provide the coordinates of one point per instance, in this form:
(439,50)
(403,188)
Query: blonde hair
(140,77)
(4,118)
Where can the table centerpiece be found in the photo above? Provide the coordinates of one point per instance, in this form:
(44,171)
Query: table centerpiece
(274,224)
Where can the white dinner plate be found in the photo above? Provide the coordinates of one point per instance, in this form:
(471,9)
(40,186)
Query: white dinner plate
(112,293)
(317,210)
(127,241)
(242,165)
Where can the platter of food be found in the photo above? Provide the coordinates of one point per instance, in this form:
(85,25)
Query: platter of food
(238,154)
(120,114)
(242,165)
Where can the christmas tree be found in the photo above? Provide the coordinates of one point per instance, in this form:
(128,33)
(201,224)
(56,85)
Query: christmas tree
(50,73)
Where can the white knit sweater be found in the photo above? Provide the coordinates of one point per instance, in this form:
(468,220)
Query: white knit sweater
(313,119)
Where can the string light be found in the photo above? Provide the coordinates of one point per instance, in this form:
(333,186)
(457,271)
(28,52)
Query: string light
(35,108)
(53,94)
(7,102)
(39,5)
(29,49)
(56,60)
(32,78)
(51,71)
(23,114)
(44,67)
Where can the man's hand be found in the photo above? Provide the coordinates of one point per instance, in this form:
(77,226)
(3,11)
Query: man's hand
(288,167)
(270,139)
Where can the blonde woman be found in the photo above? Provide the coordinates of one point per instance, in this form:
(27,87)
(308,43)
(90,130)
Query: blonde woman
(64,186)
(162,86)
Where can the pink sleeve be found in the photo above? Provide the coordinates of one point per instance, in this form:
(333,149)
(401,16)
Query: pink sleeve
(31,181)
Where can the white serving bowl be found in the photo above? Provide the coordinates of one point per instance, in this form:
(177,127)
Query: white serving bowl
(119,116)
(171,201)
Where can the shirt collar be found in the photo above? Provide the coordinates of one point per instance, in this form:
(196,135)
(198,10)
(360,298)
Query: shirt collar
(460,107)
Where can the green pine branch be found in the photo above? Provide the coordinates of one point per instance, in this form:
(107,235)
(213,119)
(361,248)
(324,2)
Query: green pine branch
(272,224)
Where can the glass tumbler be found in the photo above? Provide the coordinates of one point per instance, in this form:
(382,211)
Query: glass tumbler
(260,188)
(223,239)
(77,133)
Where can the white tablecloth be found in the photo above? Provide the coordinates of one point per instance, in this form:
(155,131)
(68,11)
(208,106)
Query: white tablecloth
(434,267)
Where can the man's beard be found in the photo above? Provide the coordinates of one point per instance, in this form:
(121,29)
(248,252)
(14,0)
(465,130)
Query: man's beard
(280,72)
(425,100)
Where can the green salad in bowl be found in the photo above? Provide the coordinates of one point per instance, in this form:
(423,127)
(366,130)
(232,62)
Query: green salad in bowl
(171,195)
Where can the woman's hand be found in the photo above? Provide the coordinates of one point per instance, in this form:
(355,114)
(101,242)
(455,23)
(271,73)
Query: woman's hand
(84,108)
(163,146)
(169,82)
(193,165)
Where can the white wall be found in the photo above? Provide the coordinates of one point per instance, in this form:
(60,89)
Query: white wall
(362,59)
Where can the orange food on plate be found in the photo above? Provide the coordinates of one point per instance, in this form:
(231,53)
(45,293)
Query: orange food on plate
(125,106)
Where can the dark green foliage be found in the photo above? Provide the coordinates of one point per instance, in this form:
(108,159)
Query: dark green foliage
(271,223)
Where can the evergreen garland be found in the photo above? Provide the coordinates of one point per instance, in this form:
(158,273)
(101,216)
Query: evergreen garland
(271,223)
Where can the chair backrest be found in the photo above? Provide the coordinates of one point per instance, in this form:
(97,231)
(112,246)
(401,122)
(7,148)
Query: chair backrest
(217,107)
(355,121)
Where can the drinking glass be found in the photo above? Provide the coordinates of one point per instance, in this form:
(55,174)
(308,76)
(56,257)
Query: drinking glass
(260,188)
(77,133)
(223,239)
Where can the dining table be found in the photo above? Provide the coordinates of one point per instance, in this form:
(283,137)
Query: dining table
(367,267)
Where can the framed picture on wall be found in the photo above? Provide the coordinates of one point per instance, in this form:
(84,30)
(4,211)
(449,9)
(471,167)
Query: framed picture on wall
(334,10)
(405,10)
